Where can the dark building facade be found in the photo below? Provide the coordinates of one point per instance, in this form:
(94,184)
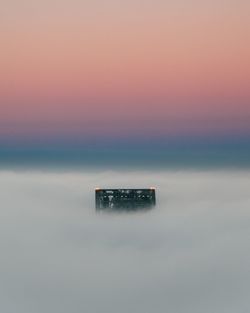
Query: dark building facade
(128,199)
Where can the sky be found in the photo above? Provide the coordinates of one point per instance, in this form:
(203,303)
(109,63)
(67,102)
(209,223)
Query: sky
(83,71)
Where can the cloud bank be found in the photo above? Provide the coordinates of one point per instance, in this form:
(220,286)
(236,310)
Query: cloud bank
(189,254)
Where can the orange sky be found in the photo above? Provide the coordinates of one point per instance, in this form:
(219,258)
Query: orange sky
(73,65)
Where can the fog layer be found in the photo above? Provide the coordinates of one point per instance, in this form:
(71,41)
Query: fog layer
(190,254)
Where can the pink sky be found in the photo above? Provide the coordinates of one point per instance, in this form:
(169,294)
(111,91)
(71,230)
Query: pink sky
(91,67)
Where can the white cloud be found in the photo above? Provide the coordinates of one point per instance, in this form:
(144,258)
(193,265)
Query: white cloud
(189,254)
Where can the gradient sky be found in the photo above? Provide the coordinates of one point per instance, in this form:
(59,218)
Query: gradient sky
(83,69)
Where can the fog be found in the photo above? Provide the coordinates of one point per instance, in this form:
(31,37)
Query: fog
(188,254)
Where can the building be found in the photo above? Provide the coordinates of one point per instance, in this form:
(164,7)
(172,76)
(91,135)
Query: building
(128,199)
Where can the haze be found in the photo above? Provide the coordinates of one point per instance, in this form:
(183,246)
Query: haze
(188,255)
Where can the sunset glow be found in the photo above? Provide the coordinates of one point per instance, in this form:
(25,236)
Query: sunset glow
(86,69)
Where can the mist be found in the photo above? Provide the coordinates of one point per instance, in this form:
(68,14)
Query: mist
(188,254)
